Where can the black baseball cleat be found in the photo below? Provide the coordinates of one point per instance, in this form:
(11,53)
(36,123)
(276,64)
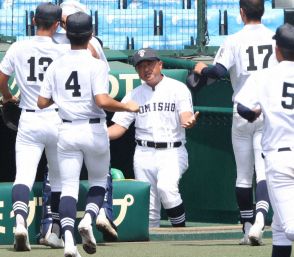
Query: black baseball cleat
(107,228)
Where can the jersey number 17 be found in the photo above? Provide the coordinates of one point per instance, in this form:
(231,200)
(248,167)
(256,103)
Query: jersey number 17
(265,50)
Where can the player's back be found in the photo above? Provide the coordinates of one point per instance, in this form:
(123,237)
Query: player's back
(75,84)
(277,103)
(252,49)
(29,60)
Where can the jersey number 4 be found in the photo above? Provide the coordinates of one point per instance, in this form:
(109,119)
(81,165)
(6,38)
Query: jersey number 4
(286,88)
(268,49)
(72,83)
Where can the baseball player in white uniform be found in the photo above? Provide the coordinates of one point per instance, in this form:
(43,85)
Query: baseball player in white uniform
(104,221)
(69,7)
(242,54)
(37,128)
(166,109)
(80,89)
(271,92)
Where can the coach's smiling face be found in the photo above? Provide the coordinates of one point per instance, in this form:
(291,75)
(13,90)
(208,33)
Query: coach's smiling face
(150,72)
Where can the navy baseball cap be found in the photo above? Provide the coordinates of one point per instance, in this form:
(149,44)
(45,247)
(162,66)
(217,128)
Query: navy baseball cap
(79,24)
(285,36)
(145,54)
(48,12)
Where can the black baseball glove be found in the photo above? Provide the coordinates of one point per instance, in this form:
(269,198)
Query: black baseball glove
(195,81)
(10,112)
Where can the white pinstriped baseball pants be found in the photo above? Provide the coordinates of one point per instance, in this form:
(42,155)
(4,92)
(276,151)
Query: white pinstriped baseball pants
(37,131)
(163,169)
(246,140)
(78,141)
(280,181)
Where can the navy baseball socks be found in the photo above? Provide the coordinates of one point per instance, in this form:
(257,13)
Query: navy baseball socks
(104,221)
(253,228)
(46,221)
(50,230)
(281,251)
(54,239)
(177,215)
(67,212)
(245,202)
(20,200)
(95,198)
(262,207)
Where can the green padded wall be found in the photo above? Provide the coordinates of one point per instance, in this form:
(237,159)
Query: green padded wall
(130,204)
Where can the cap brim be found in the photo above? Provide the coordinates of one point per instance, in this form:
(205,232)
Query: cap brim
(83,34)
(147,59)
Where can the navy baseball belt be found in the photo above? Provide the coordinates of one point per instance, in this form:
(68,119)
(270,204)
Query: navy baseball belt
(284,149)
(158,145)
(31,110)
(91,121)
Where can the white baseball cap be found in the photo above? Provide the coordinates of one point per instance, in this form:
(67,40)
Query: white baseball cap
(72,6)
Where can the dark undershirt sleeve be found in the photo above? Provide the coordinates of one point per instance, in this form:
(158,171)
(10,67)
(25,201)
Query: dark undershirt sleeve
(216,71)
(246,113)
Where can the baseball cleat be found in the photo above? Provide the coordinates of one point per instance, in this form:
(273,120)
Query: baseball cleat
(106,227)
(54,241)
(88,239)
(71,252)
(70,249)
(245,240)
(255,234)
(21,238)
(246,228)
(46,228)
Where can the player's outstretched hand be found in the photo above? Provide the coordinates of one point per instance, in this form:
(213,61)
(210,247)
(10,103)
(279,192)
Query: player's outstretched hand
(199,67)
(257,114)
(192,121)
(132,106)
(13,99)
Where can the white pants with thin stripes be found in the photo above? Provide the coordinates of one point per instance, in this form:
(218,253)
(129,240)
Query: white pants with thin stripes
(163,169)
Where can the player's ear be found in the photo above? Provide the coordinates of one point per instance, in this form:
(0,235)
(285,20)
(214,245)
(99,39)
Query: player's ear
(34,21)
(55,25)
(242,14)
(160,64)
(279,54)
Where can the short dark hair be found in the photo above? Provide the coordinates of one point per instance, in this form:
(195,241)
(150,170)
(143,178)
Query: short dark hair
(43,24)
(253,9)
(47,14)
(288,54)
(78,40)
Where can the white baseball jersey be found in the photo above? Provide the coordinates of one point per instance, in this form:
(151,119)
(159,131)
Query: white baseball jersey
(37,129)
(73,81)
(245,52)
(29,59)
(73,85)
(273,90)
(60,38)
(158,119)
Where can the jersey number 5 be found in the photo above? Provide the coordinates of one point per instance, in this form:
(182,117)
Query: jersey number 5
(72,83)
(286,93)
(261,49)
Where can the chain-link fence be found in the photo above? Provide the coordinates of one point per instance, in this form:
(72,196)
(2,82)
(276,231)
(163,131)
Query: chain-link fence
(133,24)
